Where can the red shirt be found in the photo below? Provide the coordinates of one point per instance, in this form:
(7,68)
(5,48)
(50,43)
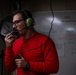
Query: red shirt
(39,50)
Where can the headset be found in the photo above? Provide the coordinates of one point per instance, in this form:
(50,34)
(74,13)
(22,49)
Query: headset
(29,19)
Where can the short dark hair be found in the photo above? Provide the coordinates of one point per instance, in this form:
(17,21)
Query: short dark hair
(25,14)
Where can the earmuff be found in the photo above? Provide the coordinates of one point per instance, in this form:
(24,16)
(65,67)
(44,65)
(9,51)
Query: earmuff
(29,21)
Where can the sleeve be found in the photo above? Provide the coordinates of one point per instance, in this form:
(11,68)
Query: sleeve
(9,59)
(50,64)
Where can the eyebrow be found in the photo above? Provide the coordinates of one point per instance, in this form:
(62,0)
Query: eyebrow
(17,20)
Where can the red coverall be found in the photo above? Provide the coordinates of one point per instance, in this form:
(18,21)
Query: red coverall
(39,50)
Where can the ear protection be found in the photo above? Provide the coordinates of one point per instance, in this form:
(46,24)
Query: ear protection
(29,21)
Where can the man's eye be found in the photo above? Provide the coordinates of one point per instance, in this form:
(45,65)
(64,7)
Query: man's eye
(16,22)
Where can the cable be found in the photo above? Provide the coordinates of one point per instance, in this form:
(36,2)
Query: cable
(48,33)
(52,16)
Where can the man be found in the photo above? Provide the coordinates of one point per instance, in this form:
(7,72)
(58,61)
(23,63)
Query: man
(31,54)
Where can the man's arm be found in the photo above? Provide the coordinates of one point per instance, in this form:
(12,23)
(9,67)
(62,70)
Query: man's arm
(9,59)
(50,63)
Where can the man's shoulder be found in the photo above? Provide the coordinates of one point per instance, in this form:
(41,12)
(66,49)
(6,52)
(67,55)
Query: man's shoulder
(42,35)
(45,38)
(18,41)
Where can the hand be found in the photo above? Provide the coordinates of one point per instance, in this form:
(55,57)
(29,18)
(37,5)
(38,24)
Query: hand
(21,62)
(9,39)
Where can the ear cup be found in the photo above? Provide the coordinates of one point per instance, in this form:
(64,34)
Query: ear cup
(28,18)
(29,22)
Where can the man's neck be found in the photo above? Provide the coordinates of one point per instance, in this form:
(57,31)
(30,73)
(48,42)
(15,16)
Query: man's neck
(29,33)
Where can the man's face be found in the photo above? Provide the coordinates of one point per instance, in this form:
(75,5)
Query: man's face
(19,23)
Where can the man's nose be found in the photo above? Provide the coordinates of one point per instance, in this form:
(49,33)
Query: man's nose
(14,26)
